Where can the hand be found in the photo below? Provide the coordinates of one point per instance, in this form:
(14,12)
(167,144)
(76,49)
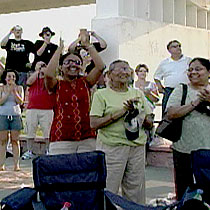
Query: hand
(61,44)
(129,104)
(92,33)
(12,30)
(11,89)
(204,95)
(84,38)
(47,39)
(196,102)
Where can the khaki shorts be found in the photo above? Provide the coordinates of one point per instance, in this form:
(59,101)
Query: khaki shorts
(35,117)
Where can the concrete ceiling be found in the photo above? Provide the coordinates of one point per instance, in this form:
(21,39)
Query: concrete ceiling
(10,6)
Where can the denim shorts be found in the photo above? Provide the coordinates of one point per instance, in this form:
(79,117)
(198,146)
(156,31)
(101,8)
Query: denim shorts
(10,123)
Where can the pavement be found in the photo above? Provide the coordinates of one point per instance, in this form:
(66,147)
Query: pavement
(159,180)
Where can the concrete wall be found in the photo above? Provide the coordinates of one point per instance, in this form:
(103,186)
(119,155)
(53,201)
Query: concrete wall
(140,41)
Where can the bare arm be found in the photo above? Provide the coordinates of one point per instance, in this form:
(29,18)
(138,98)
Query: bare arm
(180,111)
(18,92)
(94,75)
(50,72)
(159,85)
(100,122)
(32,78)
(102,42)
(41,49)
(5,39)
(3,98)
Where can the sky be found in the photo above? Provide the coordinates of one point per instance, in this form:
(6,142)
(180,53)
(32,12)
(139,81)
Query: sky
(65,22)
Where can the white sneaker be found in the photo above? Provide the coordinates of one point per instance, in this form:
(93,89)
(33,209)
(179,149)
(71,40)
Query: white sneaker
(27,156)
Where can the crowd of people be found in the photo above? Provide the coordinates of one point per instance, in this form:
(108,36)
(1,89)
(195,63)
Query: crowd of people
(82,107)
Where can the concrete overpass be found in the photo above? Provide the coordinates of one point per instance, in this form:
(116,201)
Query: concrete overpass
(10,6)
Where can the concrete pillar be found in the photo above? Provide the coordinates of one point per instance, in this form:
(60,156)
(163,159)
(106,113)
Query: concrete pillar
(103,8)
(202,19)
(180,12)
(191,15)
(156,10)
(208,20)
(168,11)
(141,9)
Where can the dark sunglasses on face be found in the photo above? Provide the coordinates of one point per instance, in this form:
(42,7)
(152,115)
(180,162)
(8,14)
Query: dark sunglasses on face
(76,62)
(175,46)
(47,34)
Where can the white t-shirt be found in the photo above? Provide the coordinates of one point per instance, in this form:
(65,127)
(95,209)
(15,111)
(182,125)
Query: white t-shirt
(173,72)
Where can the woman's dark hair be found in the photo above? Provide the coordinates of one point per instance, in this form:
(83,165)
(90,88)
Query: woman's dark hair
(204,62)
(62,58)
(4,75)
(141,66)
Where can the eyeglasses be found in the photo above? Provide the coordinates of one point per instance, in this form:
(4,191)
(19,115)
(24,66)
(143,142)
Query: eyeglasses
(175,46)
(196,69)
(122,69)
(70,61)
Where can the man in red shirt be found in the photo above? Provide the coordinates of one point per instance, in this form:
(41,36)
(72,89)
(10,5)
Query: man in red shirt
(39,109)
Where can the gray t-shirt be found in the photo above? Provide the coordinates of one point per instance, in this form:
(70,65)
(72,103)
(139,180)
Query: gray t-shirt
(195,130)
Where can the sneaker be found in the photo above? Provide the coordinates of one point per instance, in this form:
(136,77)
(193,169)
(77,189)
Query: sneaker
(27,156)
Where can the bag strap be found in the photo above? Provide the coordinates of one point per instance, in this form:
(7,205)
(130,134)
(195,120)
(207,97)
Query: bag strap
(184,93)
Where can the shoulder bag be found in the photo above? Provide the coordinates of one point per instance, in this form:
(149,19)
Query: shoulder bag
(172,129)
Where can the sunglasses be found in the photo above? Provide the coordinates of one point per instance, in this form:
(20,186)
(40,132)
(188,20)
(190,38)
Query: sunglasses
(70,61)
(47,34)
(175,46)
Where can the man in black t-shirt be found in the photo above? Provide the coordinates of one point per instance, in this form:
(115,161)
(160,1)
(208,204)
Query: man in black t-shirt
(18,51)
(44,48)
